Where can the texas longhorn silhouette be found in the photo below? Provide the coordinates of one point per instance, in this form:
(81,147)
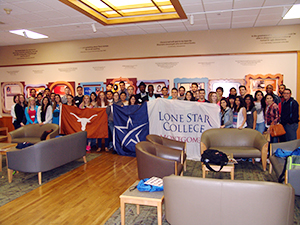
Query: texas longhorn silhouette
(83,121)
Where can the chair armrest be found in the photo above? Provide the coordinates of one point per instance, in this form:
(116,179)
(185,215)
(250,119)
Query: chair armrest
(203,147)
(179,145)
(169,153)
(17,133)
(205,141)
(150,165)
(53,134)
(288,145)
(259,142)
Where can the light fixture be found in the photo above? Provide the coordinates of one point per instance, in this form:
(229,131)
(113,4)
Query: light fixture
(285,10)
(94,28)
(25,35)
(192,19)
(293,13)
(8,11)
(28,34)
(111,12)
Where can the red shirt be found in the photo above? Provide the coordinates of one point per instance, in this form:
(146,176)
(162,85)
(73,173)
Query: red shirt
(32,114)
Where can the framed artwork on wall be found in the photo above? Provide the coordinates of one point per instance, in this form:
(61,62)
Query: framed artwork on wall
(259,82)
(226,84)
(157,84)
(38,88)
(90,87)
(187,83)
(127,81)
(58,87)
(8,91)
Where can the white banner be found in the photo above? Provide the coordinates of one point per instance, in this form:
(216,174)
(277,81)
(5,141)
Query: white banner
(183,121)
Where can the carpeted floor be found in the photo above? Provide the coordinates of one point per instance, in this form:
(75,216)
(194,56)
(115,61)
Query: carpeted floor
(243,171)
(25,182)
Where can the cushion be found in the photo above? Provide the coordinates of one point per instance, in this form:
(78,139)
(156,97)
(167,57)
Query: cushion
(45,134)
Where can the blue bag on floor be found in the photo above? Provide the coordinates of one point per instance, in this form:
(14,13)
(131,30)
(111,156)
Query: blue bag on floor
(146,187)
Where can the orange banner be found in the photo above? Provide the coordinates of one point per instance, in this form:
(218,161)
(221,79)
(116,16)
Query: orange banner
(94,121)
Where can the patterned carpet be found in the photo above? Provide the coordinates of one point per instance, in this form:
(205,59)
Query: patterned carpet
(243,171)
(25,182)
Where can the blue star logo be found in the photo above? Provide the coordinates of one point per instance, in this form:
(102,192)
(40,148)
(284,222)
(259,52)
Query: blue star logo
(131,135)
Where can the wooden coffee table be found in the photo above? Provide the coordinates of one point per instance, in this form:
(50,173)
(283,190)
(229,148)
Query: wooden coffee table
(3,148)
(229,168)
(141,198)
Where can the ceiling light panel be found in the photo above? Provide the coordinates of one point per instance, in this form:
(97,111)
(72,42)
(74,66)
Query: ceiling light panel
(293,13)
(28,34)
(111,12)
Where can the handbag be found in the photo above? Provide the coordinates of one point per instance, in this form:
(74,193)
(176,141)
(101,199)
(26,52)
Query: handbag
(215,157)
(277,130)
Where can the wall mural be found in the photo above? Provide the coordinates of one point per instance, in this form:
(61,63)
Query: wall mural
(58,87)
(37,87)
(157,84)
(8,91)
(259,82)
(128,82)
(89,87)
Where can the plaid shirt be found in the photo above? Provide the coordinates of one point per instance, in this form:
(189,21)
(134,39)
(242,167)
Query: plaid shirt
(272,114)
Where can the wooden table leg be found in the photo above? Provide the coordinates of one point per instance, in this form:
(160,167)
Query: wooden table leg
(232,173)
(0,162)
(159,213)
(122,211)
(203,171)
(138,209)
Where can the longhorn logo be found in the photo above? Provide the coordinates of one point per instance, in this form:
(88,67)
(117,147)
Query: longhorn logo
(83,121)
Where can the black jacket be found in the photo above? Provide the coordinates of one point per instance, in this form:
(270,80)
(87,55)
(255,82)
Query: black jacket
(289,112)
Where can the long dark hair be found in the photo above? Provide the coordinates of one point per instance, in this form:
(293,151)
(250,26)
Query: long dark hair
(132,96)
(223,99)
(44,108)
(192,99)
(242,104)
(251,102)
(263,100)
(93,93)
(55,103)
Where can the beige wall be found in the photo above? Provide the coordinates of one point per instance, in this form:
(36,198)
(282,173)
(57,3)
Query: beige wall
(210,54)
(250,40)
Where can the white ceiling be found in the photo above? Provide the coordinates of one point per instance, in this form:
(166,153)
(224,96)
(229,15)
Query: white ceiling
(61,23)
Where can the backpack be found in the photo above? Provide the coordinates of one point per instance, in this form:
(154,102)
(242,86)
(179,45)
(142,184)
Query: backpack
(215,157)
(284,153)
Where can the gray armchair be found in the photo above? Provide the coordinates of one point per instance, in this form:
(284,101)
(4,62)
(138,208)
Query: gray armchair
(157,160)
(156,139)
(276,163)
(194,200)
(32,133)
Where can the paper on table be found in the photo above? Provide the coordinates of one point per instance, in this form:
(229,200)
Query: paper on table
(155,181)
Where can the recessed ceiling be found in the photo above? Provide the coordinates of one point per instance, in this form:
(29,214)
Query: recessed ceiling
(110,12)
(62,23)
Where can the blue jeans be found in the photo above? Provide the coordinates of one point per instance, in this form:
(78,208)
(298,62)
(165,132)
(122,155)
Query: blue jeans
(260,127)
(109,140)
(291,131)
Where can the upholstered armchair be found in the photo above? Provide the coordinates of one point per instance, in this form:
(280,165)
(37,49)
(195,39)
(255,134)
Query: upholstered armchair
(277,163)
(194,200)
(244,143)
(32,133)
(157,160)
(156,139)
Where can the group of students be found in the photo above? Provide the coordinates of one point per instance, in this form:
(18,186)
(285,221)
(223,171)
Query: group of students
(261,111)
(243,111)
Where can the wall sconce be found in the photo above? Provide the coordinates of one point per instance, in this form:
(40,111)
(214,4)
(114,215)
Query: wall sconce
(94,28)
(192,19)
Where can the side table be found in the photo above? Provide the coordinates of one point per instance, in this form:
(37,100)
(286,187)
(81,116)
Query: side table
(141,198)
(3,148)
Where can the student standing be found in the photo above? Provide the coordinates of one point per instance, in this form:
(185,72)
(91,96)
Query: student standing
(260,105)
(239,113)
(44,114)
(19,111)
(251,112)
(31,112)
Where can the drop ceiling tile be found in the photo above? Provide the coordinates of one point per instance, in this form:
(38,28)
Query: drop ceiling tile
(239,4)
(241,24)
(51,14)
(278,2)
(251,12)
(33,6)
(265,23)
(269,17)
(217,26)
(217,5)
(193,8)
(243,19)
(276,10)
(218,16)
(196,27)
(28,17)
(175,29)
(289,22)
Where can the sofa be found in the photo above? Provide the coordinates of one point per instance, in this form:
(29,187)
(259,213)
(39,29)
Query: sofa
(241,143)
(47,155)
(32,133)
(194,200)
(277,164)
(179,145)
(157,160)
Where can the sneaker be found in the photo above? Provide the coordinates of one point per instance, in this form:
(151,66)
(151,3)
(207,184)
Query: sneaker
(88,148)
